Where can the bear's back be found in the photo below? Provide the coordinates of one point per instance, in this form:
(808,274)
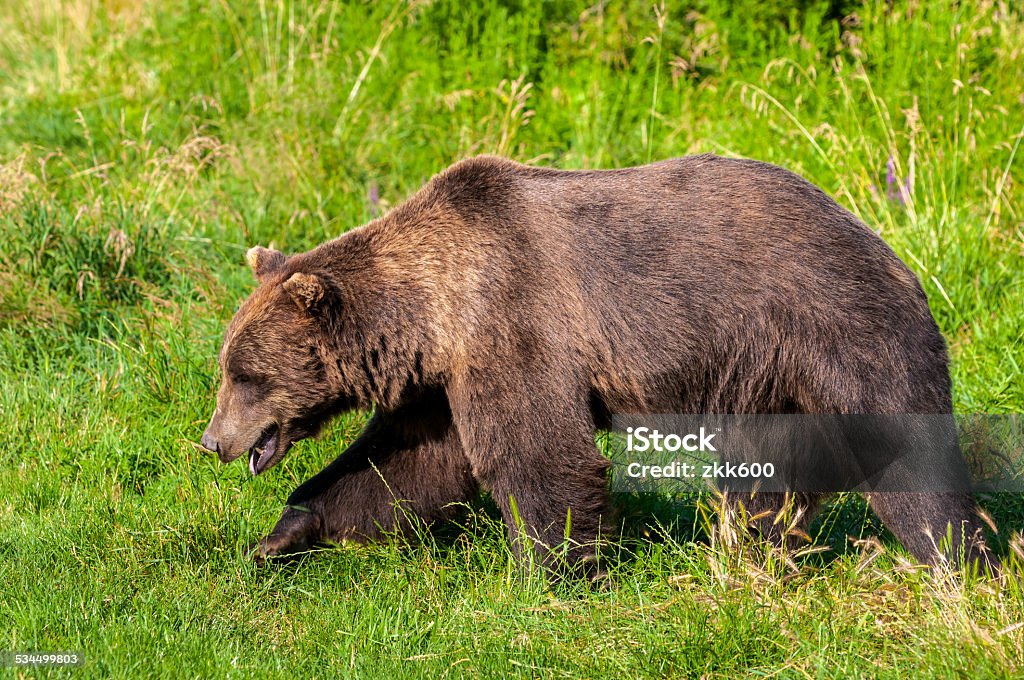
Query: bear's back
(700,266)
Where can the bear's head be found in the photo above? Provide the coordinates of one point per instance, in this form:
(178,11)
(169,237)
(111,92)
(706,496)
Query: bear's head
(274,386)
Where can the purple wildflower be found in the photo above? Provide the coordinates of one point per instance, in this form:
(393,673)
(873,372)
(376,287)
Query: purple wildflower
(895,189)
(374,200)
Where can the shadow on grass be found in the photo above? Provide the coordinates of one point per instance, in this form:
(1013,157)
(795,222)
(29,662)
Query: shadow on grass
(841,522)
(648,519)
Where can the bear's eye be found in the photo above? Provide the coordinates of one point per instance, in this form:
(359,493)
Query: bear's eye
(242,378)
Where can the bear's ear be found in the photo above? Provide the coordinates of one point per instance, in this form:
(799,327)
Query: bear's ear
(306,289)
(264,261)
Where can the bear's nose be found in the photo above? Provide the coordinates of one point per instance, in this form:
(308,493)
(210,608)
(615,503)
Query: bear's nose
(209,443)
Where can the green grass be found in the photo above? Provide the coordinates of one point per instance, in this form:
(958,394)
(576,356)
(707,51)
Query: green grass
(144,147)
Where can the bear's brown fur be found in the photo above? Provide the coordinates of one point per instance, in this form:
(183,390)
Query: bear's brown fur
(499,317)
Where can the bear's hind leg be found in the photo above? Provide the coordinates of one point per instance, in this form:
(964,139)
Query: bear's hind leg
(935,527)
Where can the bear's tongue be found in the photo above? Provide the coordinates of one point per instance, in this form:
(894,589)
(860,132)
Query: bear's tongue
(262,451)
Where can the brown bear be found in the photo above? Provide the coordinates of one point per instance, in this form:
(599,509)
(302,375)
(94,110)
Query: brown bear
(499,318)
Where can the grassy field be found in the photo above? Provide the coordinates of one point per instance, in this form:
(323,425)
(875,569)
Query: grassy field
(145,146)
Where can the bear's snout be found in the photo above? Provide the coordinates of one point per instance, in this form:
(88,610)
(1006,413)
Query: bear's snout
(225,452)
(213,440)
(225,439)
(209,442)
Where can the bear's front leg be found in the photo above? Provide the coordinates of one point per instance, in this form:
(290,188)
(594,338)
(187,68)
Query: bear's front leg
(406,466)
(297,531)
(531,445)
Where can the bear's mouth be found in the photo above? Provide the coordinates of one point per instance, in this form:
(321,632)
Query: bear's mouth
(263,450)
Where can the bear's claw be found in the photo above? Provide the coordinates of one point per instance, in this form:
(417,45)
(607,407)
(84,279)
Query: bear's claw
(296,532)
